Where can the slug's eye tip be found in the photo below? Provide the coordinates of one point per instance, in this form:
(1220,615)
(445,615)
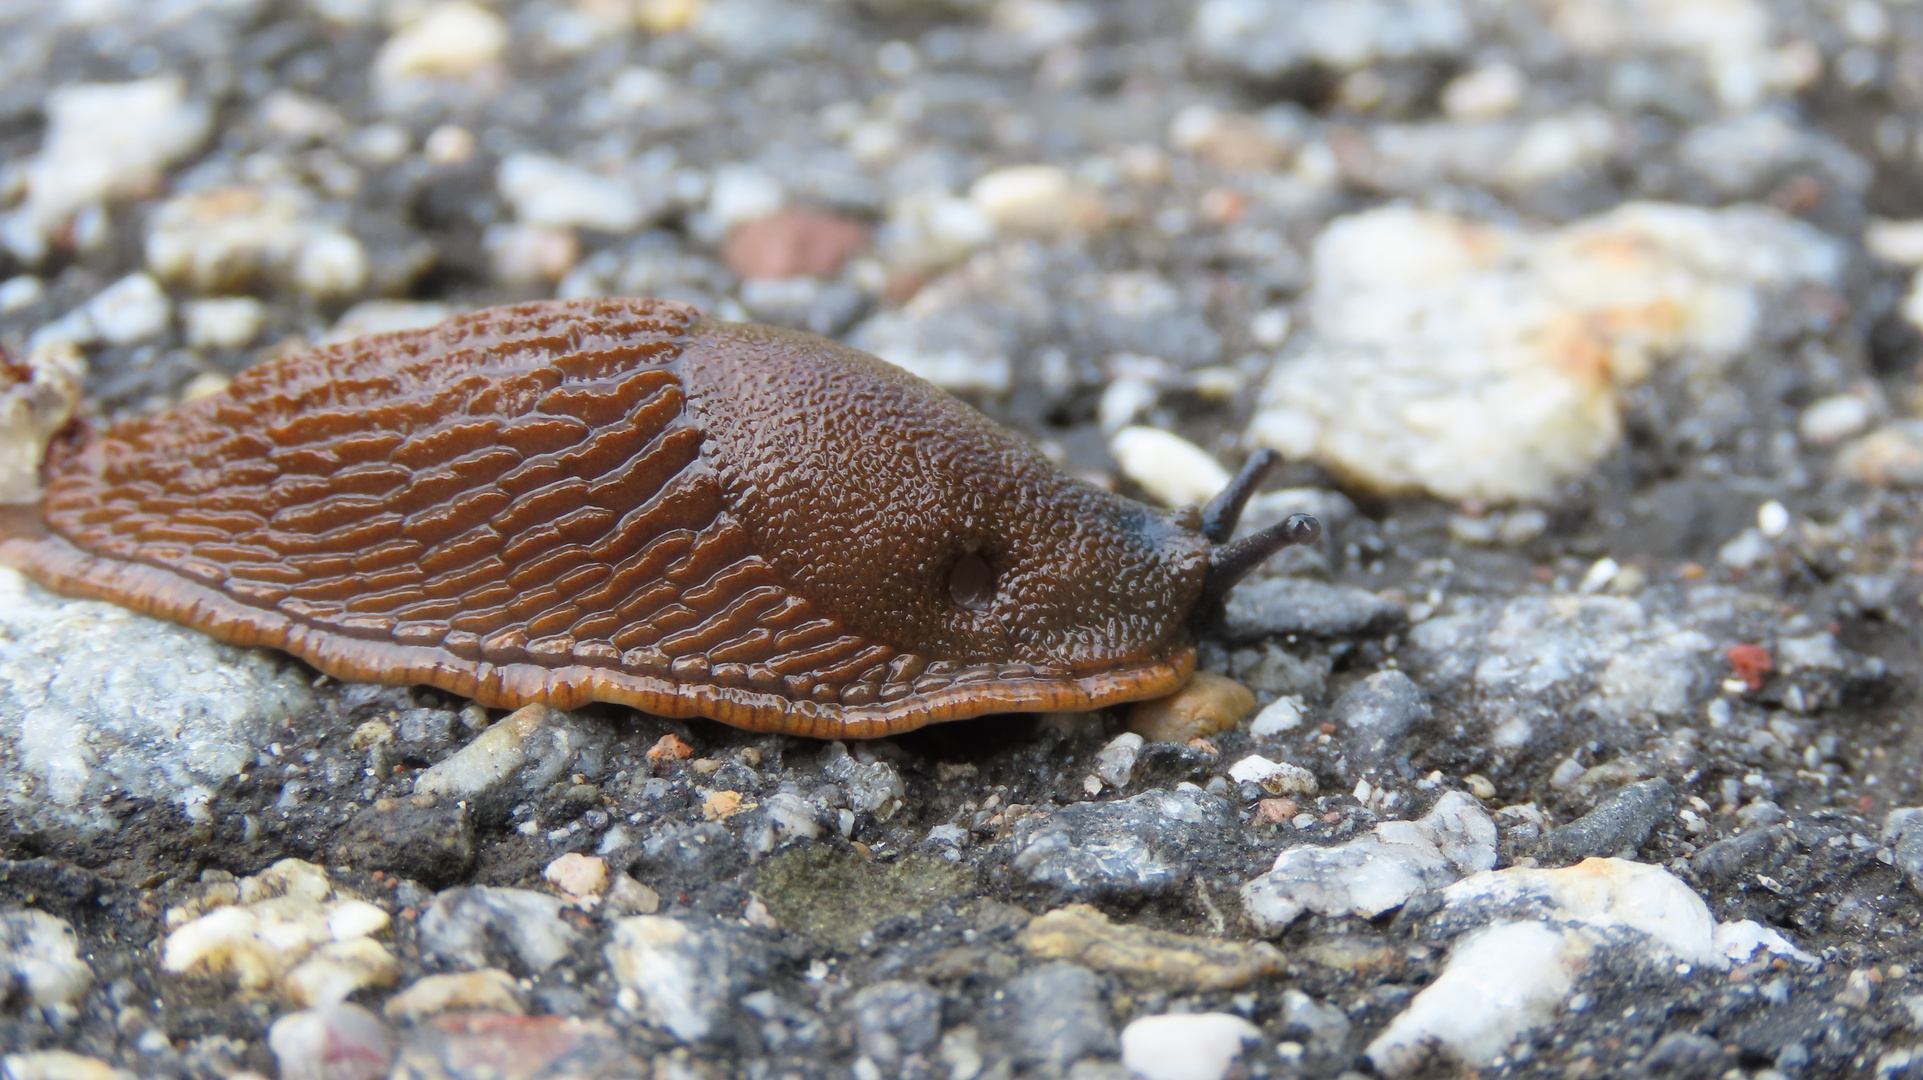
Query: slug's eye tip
(971,584)
(1301,529)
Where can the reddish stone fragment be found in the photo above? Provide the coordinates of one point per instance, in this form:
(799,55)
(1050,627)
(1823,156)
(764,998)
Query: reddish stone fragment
(792,243)
(1750,663)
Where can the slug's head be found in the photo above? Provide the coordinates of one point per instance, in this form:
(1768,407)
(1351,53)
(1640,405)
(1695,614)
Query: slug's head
(916,521)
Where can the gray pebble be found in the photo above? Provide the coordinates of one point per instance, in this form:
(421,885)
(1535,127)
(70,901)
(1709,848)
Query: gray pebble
(483,925)
(1617,826)
(1314,608)
(1055,1014)
(1148,843)
(1376,713)
(896,1018)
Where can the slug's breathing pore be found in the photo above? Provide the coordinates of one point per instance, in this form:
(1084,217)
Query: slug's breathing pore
(618,500)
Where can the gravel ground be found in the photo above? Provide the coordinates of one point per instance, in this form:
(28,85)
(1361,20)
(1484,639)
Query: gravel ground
(1581,746)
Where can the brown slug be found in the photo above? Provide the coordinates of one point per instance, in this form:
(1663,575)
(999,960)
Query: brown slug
(618,500)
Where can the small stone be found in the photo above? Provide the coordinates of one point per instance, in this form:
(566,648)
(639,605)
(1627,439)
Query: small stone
(1274,777)
(1115,762)
(1147,843)
(1034,199)
(1278,716)
(531,748)
(1618,825)
(1751,663)
(794,242)
(1489,92)
(385,317)
(1378,871)
(473,924)
(548,192)
(489,989)
(1208,704)
(1891,456)
(450,39)
(40,961)
(1900,242)
(338,969)
(240,237)
(1185,1046)
(741,194)
(669,747)
(678,973)
(1499,983)
(1178,963)
(226,322)
(103,141)
(1517,394)
(58,1065)
(629,897)
(1169,468)
(130,310)
(287,927)
(338,1042)
(37,398)
(755,31)
(1377,712)
(581,877)
(425,839)
(500,1045)
(1280,606)
(1835,418)
(531,254)
(1054,1015)
(893,1019)
(722,805)
(873,787)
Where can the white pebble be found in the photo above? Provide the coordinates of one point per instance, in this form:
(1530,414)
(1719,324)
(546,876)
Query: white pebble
(103,140)
(1275,777)
(1899,242)
(1501,981)
(18,292)
(1270,327)
(1185,1046)
(1835,418)
(1123,401)
(338,1042)
(742,193)
(1115,762)
(331,264)
(1282,714)
(226,322)
(549,192)
(131,309)
(31,411)
(40,960)
(1772,519)
(1024,198)
(1170,468)
(385,317)
(1486,93)
(452,39)
(1601,573)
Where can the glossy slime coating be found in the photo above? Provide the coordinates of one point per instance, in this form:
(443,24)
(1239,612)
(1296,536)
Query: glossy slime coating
(616,500)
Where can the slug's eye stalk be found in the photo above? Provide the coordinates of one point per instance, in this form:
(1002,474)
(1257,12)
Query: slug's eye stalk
(1223,511)
(1231,562)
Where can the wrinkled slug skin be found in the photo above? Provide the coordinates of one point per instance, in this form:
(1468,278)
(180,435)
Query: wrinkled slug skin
(616,500)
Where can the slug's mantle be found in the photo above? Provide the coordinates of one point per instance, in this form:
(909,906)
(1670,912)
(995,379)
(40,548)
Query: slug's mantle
(617,500)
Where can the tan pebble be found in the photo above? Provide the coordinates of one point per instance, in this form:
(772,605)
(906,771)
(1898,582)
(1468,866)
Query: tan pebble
(1275,811)
(669,748)
(722,805)
(372,733)
(578,875)
(489,988)
(1208,704)
(704,766)
(1890,457)
(629,897)
(1178,962)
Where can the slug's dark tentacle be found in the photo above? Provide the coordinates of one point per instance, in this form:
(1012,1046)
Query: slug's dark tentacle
(1223,511)
(1230,563)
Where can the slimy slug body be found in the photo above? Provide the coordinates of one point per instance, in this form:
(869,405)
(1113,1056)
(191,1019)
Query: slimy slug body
(617,500)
